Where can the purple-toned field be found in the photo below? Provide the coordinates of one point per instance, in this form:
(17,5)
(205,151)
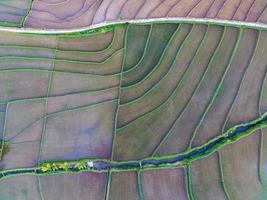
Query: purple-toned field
(58,87)
(81,13)
(83,186)
(87,132)
(129,92)
(21,187)
(164,184)
(13,13)
(123,185)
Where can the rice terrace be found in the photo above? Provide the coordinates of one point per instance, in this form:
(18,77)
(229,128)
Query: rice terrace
(133,100)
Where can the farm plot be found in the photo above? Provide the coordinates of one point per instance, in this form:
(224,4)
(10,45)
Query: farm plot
(99,42)
(23,187)
(240,162)
(249,148)
(244,160)
(206,180)
(81,13)
(120,97)
(139,89)
(87,132)
(226,173)
(46,87)
(86,185)
(164,184)
(23,129)
(123,185)
(240,66)
(15,84)
(12,39)
(204,91)
(128,133)
(76,53)
(191,102)
(135,48)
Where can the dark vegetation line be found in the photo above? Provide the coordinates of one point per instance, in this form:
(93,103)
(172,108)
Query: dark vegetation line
(237,8)
(257,20)
(207,11)
(139,9)
(67,17)
(246,15)
(122,6)
(155,8)
(220,8)
(192,9)
(182,159)
(27,14)
(172,7)
(100,2)
(107,8)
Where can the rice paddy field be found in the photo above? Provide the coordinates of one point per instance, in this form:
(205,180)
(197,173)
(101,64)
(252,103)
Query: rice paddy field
(60,14)
(134,111)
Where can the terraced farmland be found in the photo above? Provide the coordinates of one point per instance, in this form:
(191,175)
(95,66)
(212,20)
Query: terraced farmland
(73,13)
(134,111)
(60,14)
